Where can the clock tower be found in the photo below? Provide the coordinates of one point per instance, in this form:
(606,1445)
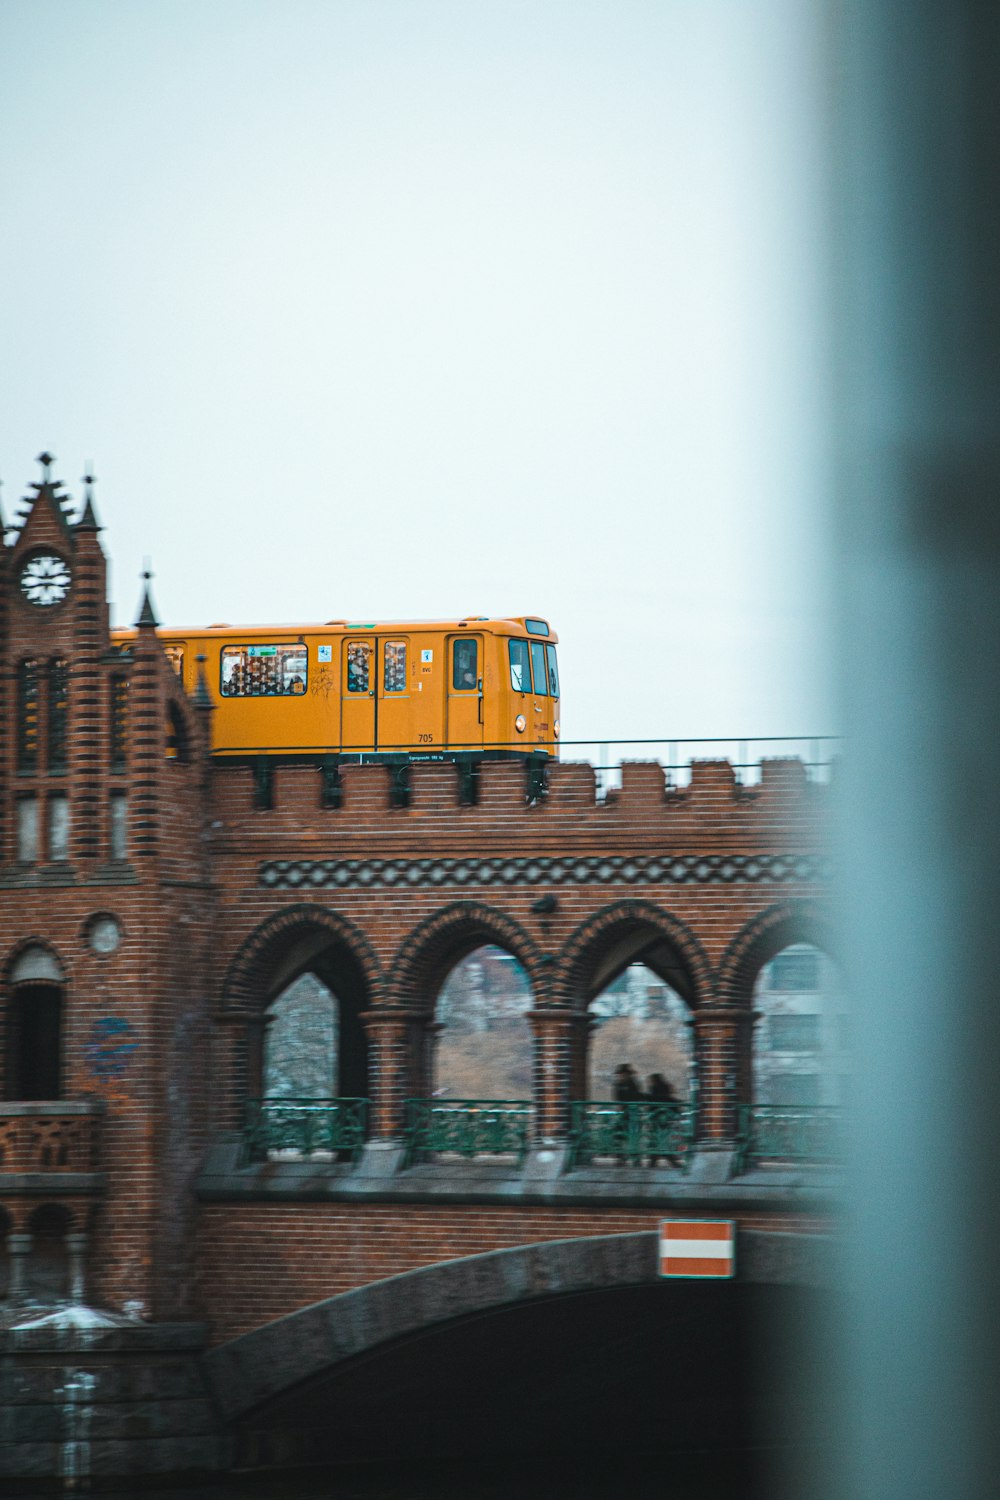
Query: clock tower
(102,879)
(55,629)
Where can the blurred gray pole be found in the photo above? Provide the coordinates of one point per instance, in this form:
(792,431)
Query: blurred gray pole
(917,181)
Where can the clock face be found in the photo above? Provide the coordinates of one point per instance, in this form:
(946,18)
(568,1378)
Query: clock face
(45,579)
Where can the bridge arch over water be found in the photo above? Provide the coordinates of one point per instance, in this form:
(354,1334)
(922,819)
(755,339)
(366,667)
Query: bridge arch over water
(313,1382)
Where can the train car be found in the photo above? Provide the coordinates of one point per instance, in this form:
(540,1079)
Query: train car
(484,688)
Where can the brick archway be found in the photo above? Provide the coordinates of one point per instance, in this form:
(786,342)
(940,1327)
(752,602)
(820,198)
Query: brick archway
(765,936)
(622,927)
(432,949)
(245,984)
(301,939)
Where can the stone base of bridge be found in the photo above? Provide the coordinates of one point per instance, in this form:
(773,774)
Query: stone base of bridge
(88,1403)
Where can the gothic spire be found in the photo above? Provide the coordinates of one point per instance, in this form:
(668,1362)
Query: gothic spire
(202,696)
(88,520)
(147,615)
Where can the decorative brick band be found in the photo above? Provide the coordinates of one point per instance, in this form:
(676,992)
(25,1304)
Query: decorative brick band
(571,869)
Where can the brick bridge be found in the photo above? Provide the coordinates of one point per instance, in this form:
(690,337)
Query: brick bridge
(155,901)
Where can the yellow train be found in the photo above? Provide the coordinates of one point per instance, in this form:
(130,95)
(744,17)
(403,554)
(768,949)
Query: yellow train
(422,689)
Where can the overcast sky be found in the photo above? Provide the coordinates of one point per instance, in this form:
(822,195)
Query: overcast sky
(412,308)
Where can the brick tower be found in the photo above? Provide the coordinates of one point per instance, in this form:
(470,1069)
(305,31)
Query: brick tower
(104,883)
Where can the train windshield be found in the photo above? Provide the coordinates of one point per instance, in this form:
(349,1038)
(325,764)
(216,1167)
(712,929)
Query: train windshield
(550,653)
(520,669)
(538,667)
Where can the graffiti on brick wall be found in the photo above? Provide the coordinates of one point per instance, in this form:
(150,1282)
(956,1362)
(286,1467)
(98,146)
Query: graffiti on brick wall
(109,1050)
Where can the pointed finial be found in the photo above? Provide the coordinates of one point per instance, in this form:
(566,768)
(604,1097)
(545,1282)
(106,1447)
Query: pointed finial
(202,697)
(88,517)
(46,459)
(146,613)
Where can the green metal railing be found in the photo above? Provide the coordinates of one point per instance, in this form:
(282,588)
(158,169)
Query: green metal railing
(305,1127)
(467,1127)
(646,1134)
(785,1132)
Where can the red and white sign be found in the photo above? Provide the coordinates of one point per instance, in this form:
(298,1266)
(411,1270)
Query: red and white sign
(697,1247)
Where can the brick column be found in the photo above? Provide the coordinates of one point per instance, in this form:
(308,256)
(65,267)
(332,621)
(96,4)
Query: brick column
(395,1067)
(721,1037)
(559,1037)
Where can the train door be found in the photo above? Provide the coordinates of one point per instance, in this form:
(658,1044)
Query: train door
(358,703)
(465,692)
(395,706)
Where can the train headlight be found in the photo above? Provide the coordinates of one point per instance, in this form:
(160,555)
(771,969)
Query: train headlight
(555,729)
(520,723)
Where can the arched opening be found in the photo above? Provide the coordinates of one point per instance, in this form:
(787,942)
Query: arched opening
(801,1055)
(640,1021)
(307,1063)
(47,1273)
(635,1076)
(34,1026)
(301,1043)
(484,1049)
(480,1068)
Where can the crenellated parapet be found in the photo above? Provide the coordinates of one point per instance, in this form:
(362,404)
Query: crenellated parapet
(785,810)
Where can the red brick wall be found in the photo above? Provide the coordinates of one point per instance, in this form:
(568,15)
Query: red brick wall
(260,1261)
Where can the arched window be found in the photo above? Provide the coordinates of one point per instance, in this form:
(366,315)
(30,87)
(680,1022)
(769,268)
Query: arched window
(642,1023)
(484,1050)
(118,710)
(58,714)
(801,1037)
(34,1026)
(27,715)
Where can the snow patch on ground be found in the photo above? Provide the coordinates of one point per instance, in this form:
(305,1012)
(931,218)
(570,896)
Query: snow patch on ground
(74,1316)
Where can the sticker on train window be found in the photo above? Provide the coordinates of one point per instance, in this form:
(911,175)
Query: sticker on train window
(263,671)
(394,667)
(358,653)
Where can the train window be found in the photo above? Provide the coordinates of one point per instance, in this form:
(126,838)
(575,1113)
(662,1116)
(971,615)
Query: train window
(465,665)
(520,671)
(175,656)
(358,661)
(538,667)
(264,671)
(550,655)
(394,659)
(536,627)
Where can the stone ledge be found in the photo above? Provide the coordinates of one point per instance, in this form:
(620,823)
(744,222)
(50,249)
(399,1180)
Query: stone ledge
(51,1184)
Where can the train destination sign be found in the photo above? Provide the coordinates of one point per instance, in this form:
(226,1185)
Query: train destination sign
(697,1247)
